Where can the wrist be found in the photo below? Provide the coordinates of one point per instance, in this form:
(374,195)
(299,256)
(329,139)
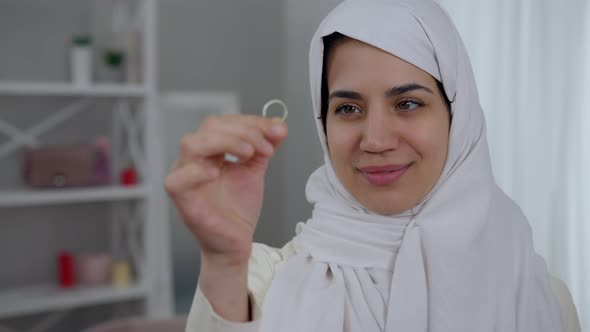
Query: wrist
(222,266)
(226,288)
(226,261)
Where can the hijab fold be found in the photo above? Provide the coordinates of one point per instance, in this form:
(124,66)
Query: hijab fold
(461,260)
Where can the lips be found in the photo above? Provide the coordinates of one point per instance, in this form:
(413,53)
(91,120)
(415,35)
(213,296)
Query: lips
(381,175)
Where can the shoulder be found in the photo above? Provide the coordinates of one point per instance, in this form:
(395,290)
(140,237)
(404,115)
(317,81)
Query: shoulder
(262,266)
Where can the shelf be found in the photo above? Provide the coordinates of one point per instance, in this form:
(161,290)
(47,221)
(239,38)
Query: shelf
(42,298)
(28,197)
(67,89)
(133,218)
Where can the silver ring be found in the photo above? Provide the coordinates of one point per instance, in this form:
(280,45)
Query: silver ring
(276,101)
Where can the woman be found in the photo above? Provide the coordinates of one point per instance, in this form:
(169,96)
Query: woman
(409,231)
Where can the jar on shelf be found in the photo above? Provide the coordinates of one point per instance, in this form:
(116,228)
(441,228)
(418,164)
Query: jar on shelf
(81,60)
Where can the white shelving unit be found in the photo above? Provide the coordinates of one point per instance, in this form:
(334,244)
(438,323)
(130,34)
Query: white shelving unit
(67,89)
(30,197)
(40,298)
(142,207)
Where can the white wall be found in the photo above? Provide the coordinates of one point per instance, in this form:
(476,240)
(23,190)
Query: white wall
(302,151)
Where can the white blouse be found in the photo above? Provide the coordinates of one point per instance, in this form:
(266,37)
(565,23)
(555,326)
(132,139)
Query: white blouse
(262,267)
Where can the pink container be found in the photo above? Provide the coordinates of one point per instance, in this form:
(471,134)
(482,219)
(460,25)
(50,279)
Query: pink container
(94,269)
(141,325)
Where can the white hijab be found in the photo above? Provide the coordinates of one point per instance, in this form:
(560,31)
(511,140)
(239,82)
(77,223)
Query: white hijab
(462,260)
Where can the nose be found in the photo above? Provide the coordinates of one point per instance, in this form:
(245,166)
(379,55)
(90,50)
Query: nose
(380,133)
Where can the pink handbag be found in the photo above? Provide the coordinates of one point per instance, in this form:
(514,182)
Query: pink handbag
(67,166)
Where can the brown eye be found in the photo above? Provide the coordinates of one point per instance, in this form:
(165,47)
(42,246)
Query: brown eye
(347,110)
(408,105)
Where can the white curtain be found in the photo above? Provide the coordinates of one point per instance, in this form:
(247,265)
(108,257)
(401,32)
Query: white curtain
(531,59)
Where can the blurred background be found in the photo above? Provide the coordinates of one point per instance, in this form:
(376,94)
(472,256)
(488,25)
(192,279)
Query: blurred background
(110,87)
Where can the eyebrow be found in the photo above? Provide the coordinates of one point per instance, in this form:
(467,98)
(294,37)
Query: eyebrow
(400,89)
(396,90)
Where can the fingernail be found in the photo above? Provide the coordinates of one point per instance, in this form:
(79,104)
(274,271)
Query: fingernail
(278,129)
(231,158)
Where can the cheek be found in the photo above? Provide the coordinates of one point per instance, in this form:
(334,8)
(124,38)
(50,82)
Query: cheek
(337,146)
(342,145)
(430,141)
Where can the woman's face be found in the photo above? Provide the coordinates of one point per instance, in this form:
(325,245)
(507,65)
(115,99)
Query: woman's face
(387,127)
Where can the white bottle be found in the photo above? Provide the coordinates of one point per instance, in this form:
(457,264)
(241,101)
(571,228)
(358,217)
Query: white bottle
(81,61)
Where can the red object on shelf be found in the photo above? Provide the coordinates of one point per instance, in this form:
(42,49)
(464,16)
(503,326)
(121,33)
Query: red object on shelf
(129,176)
(66,270)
